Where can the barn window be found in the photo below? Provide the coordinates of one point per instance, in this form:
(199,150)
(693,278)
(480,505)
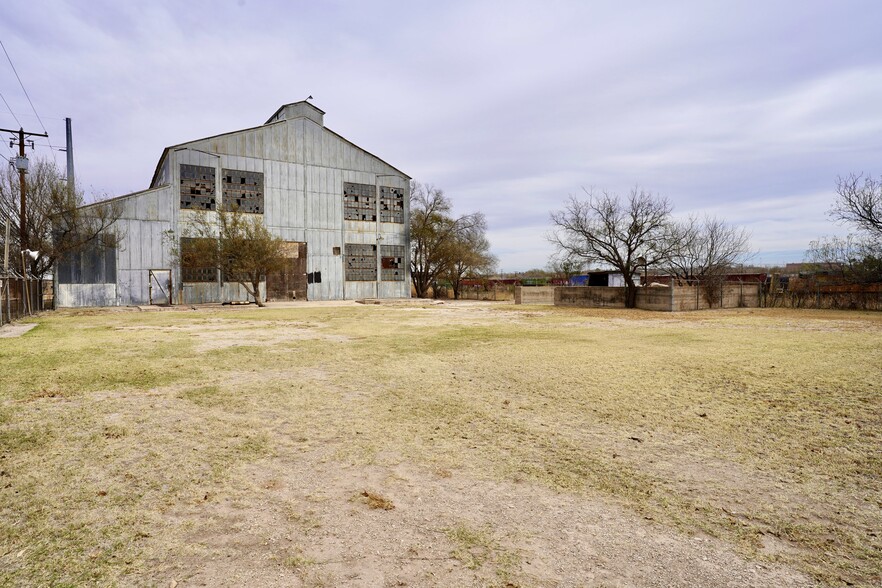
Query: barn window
(361,262)
(95,263)
(197,187)
(392,263)
(194,253)
(391,205)
(243,191)
(359,202)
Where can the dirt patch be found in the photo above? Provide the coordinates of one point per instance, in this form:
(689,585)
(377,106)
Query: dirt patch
(519,447)
(10,330)
(223,334)
(457,531)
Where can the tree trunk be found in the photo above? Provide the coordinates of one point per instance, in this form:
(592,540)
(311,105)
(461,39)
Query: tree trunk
(256,293)
(420,284)
(630,292)
(253,289)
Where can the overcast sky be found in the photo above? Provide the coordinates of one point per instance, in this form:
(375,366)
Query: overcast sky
(746,110)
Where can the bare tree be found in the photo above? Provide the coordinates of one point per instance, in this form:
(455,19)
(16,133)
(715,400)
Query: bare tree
(859,203)
(856,258)
(565,266)
(704,247)
(59,222)
(607,229)
(469,253)
(705,250)
(432,234)
(237,244)
(852,259)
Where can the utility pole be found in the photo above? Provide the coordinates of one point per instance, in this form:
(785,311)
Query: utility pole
(21,163)
(69,150)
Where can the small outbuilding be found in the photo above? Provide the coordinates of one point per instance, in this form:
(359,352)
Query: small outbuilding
(608,278)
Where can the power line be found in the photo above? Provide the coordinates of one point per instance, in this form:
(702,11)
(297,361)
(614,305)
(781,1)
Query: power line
(26,115)
(15,71)
(10,110)
(23,89)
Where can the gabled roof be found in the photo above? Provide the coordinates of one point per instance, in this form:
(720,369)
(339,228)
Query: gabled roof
(267,123)
(284,106)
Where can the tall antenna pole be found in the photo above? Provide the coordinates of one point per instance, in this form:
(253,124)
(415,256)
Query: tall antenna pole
(70,164)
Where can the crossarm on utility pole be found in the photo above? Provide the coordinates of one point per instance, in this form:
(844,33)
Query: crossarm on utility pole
(23,216)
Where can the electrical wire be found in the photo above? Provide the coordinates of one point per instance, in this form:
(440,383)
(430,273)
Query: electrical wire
(10,110)
(23,89)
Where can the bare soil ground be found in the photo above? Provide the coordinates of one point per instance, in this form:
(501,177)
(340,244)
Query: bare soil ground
(414,444)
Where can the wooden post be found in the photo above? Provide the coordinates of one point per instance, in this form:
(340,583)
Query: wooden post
(26,292)
(6,278)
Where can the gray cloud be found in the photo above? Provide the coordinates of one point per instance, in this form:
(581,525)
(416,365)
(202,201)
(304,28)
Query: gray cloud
(747,110)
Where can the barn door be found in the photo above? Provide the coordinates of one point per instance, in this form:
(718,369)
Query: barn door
(290,283)
(159,288)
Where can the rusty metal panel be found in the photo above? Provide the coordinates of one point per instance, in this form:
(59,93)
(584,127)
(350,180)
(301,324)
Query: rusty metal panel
(291,282)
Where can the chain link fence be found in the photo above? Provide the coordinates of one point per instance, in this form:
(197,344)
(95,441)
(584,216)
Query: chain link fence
(804,293)
(21,297)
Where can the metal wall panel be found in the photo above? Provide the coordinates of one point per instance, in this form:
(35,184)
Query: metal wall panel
(75,295)
(304,167)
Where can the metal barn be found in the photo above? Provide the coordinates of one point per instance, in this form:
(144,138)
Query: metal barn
(343,212)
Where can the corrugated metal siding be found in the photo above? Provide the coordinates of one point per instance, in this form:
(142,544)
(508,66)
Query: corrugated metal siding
(304,167)
(69,295)
(203,292)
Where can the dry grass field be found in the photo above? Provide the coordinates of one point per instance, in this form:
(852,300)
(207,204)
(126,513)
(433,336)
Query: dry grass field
(471,444)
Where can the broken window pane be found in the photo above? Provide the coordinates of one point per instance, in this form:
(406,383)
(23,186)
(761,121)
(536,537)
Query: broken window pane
(361,262)
(359,202)
(392,263)
(197,187)
(194,253)
(391,205)
(243,191)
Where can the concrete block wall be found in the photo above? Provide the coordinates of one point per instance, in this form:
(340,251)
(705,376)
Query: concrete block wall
(590,296)
(680,298)
(657,298)
(732,295)
(534,294)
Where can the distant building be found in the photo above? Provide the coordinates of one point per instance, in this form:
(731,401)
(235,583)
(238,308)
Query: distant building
(343,212)
(601,278)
